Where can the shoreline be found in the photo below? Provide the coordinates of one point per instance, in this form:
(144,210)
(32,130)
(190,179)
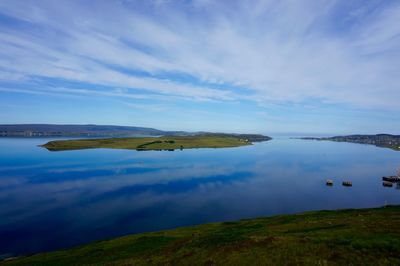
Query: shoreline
(332,236)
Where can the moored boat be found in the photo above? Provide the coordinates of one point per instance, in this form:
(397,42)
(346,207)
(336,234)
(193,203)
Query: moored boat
(347,183)
(392,178)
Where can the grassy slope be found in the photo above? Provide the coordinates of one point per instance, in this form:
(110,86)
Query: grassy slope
(347,237)
(148,143)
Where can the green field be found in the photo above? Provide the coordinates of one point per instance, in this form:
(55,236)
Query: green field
(345,237)
(149,143)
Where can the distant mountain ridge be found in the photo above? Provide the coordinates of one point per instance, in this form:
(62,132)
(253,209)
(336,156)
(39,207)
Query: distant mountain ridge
(52,130)
(32,130)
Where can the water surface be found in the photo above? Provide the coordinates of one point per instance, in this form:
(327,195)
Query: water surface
(53,200)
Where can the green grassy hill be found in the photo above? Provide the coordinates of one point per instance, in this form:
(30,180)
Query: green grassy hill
(345,237)
(149,143)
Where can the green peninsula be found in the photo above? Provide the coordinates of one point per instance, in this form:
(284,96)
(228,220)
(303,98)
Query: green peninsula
(345,237)
(158,143)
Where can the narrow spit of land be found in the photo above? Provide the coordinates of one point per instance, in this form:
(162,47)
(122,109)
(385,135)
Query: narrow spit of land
(344,237)
(157,143)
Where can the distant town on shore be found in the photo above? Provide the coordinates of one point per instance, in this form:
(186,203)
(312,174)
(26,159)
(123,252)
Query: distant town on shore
(380,140)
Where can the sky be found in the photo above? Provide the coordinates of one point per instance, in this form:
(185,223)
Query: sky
(259,66)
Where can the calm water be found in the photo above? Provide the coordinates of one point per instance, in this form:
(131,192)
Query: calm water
(52,200)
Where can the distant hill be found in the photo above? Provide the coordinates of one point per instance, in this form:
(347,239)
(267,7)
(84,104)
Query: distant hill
(34,130)
(50,130)
(380,140)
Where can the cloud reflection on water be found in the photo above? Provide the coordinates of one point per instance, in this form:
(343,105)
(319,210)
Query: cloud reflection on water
(79,196)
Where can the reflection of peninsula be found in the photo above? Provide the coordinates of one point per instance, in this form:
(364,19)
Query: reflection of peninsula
(380,140)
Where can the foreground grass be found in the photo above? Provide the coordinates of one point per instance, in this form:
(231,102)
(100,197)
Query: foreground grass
(148,143)
(346,237)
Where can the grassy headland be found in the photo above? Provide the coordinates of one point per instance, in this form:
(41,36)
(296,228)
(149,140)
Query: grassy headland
(151,143)
(345,237)
(379,140)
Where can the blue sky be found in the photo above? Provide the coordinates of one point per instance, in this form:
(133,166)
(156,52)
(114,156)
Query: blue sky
(320,66)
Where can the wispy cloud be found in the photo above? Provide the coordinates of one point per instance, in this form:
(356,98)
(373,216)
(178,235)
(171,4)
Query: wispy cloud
(263,51)
(146,107)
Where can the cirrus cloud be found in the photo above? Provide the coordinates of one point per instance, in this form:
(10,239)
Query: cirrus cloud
(261,51)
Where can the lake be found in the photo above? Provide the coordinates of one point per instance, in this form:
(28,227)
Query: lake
(52,200)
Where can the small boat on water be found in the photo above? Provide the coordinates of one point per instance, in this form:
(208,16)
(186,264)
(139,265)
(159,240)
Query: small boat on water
(347,183)
(329,182)
(387,184)
(392,178)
